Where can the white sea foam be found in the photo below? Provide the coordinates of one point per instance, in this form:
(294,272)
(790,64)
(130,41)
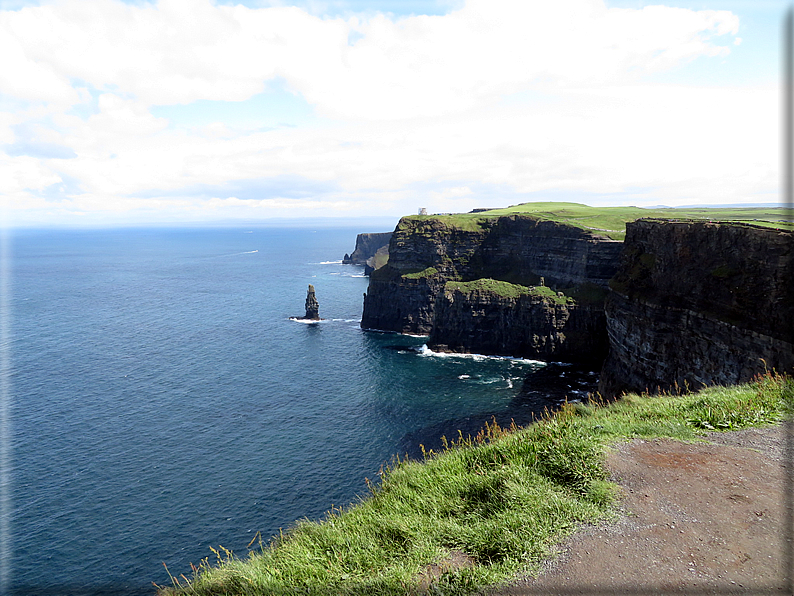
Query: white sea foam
(308,321)
(487,380)
(425,351)
(339,262)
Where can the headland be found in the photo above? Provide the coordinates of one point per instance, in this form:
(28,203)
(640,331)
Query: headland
(654,299)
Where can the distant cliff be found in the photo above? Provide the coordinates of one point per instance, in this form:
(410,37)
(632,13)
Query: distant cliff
(680,304)
(699,303)
(412,294)
(493,317)
(371,251)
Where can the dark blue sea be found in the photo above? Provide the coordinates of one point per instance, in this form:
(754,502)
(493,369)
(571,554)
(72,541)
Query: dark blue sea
(162,402)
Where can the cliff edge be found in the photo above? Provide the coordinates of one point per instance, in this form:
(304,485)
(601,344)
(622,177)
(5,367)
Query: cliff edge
(372,251)
(416,291)
(494,317)
(698,303)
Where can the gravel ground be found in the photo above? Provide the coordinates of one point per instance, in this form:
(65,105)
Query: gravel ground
(695,518)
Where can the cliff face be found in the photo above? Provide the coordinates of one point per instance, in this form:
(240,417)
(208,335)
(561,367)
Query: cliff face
(698,303)
(408,294)
(523,325)
(522,249)
(402,304)
(423,255)
(689,303)
(514,248)
(366,247)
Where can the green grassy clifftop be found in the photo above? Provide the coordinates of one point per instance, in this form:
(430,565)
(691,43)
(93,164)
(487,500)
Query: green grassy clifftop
(611,221)
(481,511)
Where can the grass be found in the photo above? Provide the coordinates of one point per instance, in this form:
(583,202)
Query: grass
(380,258)
(506,289)
(427,272)
(611,221)
(503,499)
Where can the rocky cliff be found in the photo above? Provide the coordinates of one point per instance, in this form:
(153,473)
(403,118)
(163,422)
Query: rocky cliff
(491,317)
(688,303)
(698,303)
(410,294)
(367,245)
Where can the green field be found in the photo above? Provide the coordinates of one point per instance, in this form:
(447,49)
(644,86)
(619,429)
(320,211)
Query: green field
(484,509)
(611,221)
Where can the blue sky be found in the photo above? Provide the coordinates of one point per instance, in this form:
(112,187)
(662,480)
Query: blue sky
(192,111)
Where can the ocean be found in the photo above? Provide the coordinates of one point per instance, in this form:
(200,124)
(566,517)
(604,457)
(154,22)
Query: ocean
(162,402)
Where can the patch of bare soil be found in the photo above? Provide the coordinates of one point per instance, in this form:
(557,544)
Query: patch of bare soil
(456,560)
(696,518)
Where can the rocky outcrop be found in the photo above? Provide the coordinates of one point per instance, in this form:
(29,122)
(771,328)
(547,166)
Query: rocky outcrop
(405,304)
(425,253)
(378,260)
(312,306)
(698,303)
(517,321)
(491,286)
(367,245)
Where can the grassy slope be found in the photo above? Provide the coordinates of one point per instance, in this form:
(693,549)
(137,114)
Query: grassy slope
(504,498)
(505,289)
(611,221)
(428,272)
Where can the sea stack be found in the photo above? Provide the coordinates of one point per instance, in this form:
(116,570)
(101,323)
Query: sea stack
(312,306)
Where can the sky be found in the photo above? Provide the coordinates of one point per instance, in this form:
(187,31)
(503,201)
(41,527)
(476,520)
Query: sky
(206,111)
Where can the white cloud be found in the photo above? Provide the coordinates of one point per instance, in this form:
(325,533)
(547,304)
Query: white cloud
(516,96)
(179,51)
(24,173)
(434,65)
(279,204)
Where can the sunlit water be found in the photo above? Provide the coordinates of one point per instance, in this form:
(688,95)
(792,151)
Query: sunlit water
(163,402)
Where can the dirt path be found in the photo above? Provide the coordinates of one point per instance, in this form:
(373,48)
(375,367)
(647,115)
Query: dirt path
(697,519)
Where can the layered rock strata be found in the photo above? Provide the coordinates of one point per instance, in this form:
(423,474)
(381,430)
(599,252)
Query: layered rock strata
(698,303)
(409,294)
(691,303)
(511,320)
(367,245)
